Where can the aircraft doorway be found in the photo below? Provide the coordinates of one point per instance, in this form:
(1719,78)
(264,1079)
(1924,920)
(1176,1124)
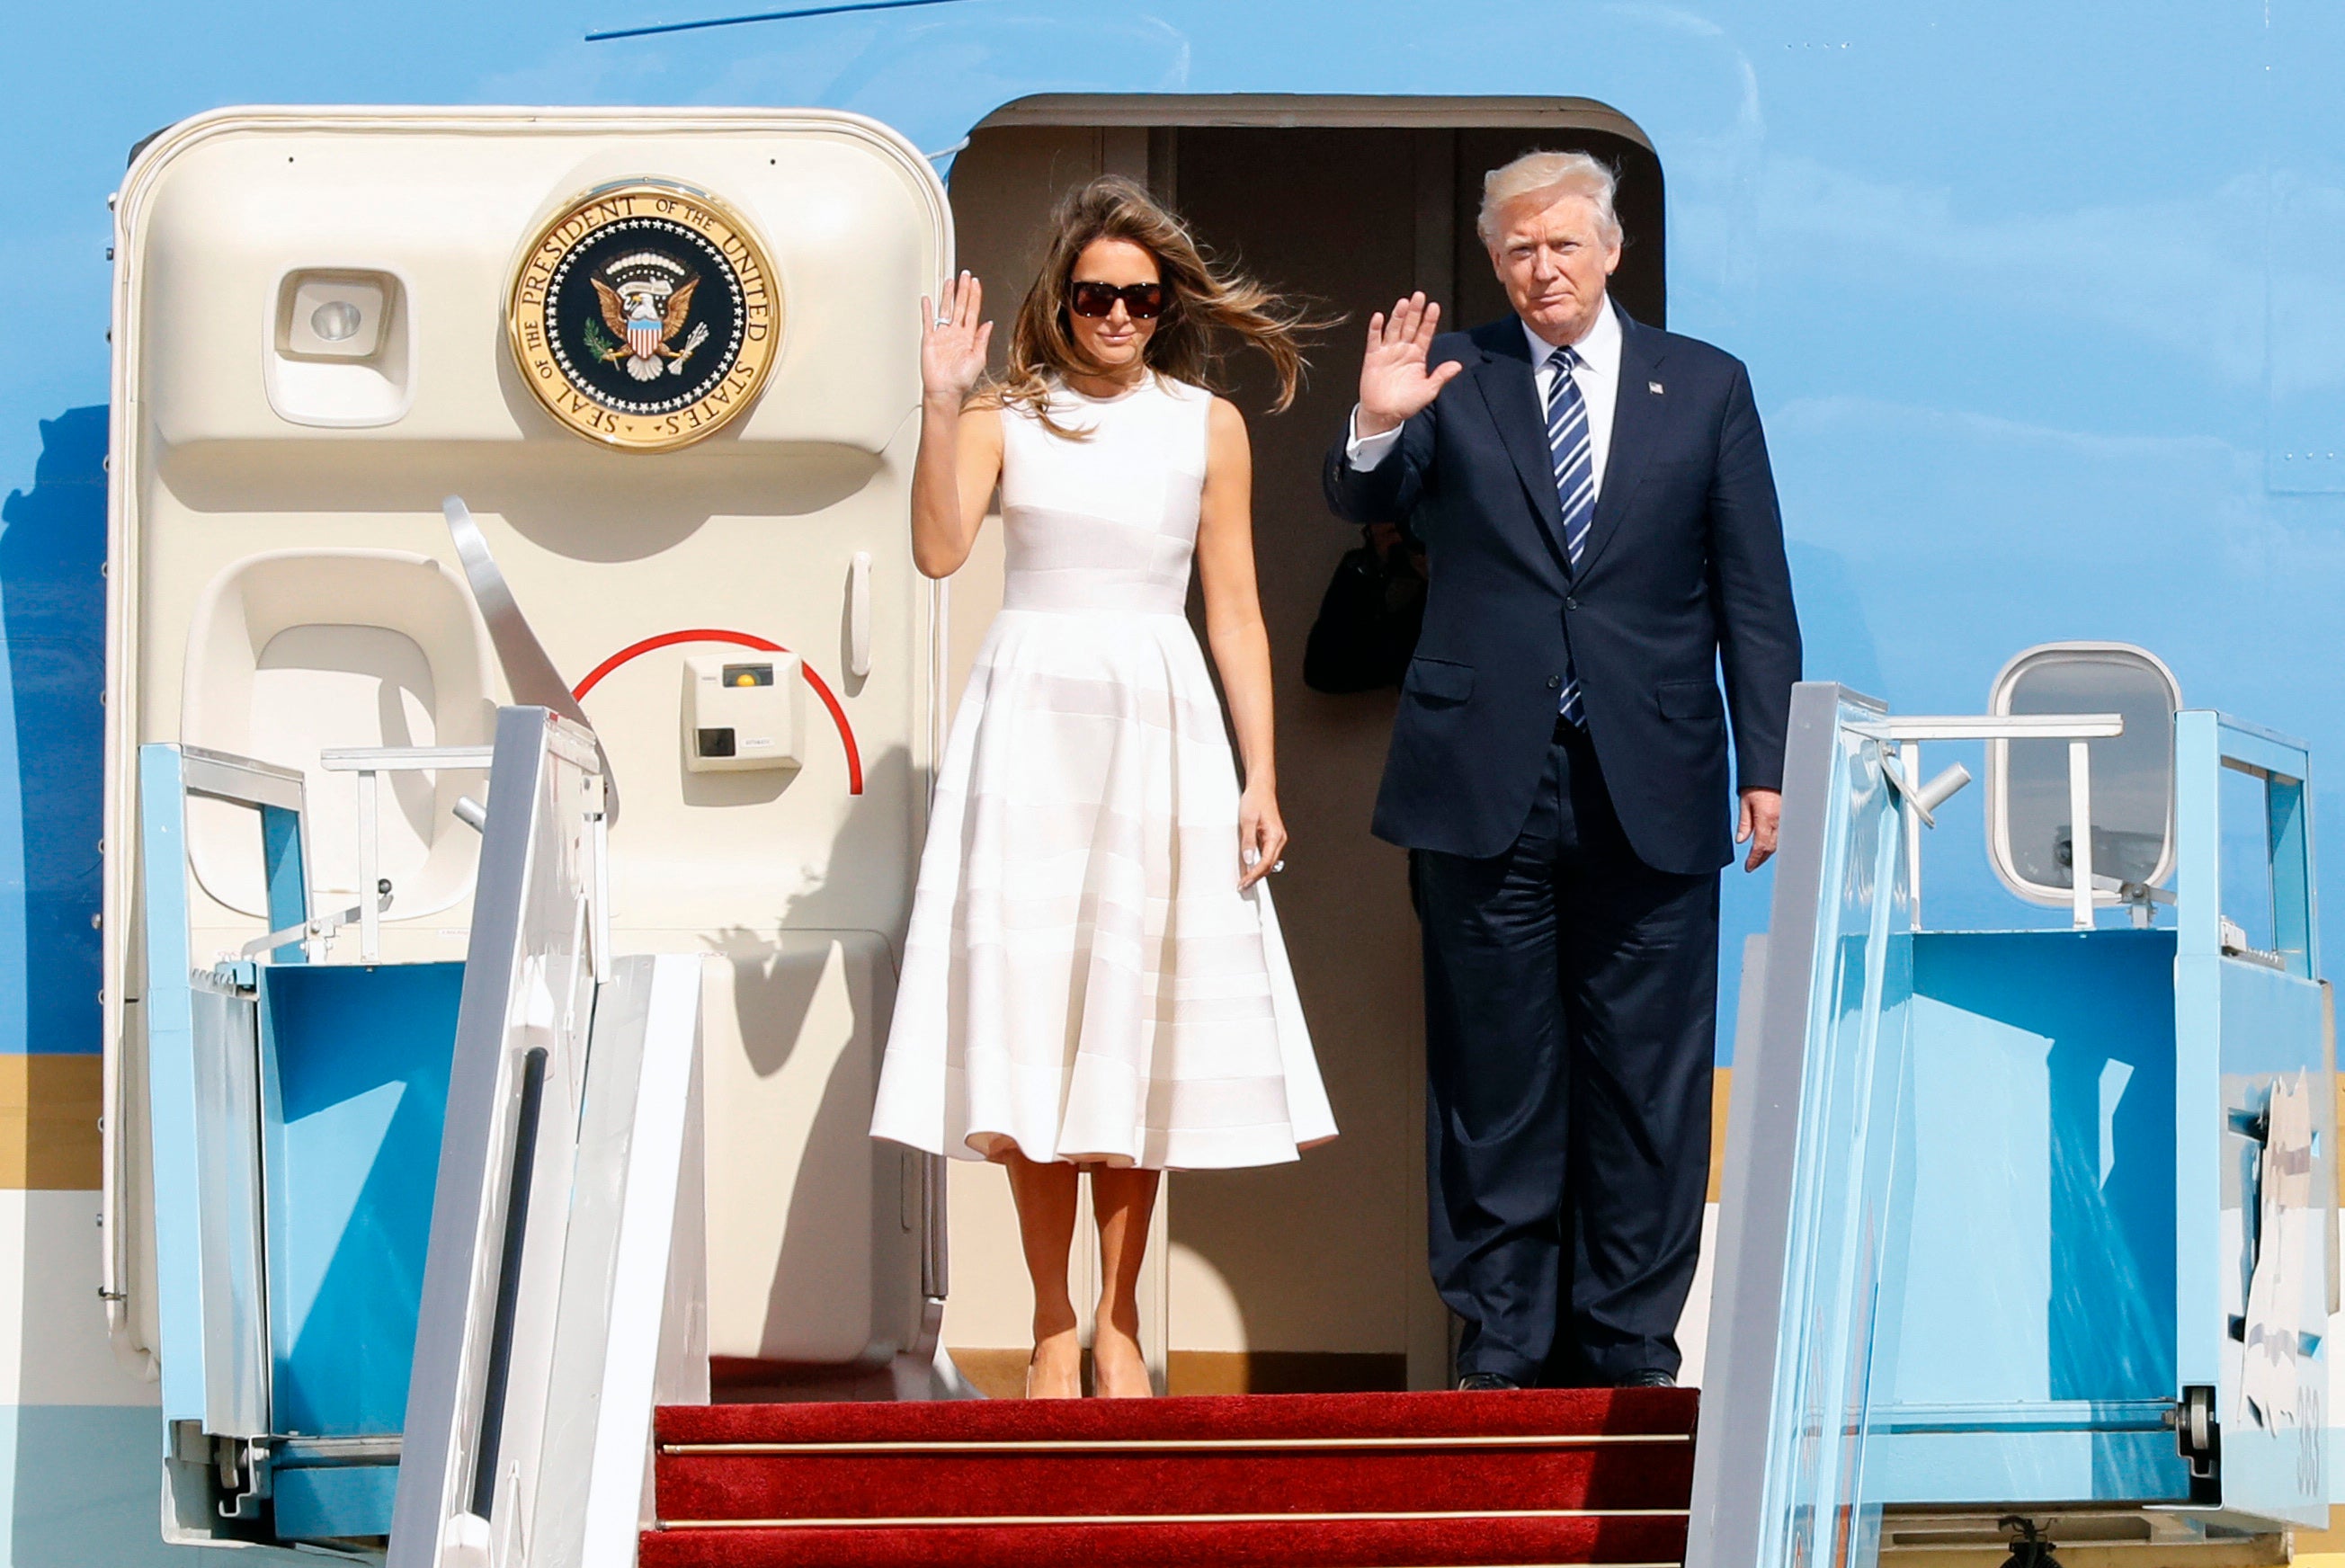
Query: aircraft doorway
(1309,1276)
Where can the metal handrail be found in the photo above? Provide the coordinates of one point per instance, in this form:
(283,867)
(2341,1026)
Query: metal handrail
(370,763)
(2078,729)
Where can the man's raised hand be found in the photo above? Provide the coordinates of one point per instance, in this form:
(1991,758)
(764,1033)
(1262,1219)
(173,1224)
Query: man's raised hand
(1393,382)
(953,343)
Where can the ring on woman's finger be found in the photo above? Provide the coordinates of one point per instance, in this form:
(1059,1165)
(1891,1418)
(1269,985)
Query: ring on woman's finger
(1277,866)
(944,320)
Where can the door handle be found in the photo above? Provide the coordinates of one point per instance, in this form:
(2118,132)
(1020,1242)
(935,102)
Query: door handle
(858,615)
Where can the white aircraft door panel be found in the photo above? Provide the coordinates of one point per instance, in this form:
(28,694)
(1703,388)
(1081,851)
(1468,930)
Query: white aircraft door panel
(323,327)
(793,1022)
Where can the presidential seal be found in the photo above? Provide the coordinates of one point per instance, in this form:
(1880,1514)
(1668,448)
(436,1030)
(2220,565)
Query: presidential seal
(645,316)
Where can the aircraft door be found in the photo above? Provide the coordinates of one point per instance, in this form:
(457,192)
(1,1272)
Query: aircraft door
(670,358)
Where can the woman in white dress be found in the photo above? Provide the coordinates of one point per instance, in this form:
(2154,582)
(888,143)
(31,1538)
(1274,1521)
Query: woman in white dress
(1093,978)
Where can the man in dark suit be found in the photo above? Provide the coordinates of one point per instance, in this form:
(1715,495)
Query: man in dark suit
(1601,536)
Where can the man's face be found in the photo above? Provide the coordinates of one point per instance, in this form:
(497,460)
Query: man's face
(1554,261)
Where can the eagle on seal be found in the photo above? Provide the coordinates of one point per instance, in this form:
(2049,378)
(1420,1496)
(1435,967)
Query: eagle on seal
(646,299)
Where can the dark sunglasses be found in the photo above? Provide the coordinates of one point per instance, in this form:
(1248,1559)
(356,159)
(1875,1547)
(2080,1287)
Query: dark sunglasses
(1142,301)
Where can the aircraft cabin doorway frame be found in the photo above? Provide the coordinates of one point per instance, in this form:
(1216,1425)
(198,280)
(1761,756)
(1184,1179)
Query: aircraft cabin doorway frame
(1309,1277)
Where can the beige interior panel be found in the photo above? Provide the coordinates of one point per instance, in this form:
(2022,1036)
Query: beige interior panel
(1353,1211)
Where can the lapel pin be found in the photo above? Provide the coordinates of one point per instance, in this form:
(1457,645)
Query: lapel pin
(1654,387)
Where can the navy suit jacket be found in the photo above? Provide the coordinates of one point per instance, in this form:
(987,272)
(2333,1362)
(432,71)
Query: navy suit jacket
(1683,574)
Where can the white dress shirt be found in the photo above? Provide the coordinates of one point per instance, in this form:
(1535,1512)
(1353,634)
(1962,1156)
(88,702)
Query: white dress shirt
(1598,376)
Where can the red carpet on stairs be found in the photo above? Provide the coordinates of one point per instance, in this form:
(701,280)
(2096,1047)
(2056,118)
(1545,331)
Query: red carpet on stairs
(1332,1480)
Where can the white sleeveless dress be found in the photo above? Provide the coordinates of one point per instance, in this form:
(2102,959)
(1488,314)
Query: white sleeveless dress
(1082,978)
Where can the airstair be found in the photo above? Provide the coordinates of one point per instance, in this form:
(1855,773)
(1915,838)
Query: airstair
(2030,1230)
(1331,1481)
(427,1234)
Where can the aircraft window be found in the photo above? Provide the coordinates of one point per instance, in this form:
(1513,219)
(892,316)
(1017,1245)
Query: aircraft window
(2030,834)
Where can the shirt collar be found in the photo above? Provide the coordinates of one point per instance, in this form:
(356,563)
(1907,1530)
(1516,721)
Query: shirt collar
(1600,351)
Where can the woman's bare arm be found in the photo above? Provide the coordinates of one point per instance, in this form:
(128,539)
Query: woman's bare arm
(959,459)
(1235,629)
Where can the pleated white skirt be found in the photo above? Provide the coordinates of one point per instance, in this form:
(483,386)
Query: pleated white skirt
(1082,978)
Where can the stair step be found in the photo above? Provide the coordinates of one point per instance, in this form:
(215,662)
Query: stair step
(1572,1472)
(1334,1481)
(1461,1542)
(1537,1413)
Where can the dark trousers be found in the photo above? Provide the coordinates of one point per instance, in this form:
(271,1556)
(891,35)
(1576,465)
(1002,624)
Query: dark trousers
(1571,1002)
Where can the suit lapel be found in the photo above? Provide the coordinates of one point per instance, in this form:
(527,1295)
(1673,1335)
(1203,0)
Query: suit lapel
(1504,378)
(1637,413)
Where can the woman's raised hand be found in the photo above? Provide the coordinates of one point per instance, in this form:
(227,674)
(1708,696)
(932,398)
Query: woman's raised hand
(953,343)
(1393,381)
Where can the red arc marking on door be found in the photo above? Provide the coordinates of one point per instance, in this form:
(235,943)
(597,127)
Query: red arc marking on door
(739,639)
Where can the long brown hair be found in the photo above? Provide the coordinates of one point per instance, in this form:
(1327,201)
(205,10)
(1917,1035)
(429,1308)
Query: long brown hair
(1203,304)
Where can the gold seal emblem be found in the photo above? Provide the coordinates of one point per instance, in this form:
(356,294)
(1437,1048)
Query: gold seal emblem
(645,316)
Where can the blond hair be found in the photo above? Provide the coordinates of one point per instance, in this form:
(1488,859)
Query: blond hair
(1548,178)
(1203,304)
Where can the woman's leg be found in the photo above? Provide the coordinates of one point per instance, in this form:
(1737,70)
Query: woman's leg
(1124,1200)
(1045,1196)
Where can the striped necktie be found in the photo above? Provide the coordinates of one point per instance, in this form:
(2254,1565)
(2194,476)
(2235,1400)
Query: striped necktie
(1574,483)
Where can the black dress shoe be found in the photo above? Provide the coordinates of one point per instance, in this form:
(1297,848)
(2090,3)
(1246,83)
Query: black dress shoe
(1647,1380)
(1485,1383)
